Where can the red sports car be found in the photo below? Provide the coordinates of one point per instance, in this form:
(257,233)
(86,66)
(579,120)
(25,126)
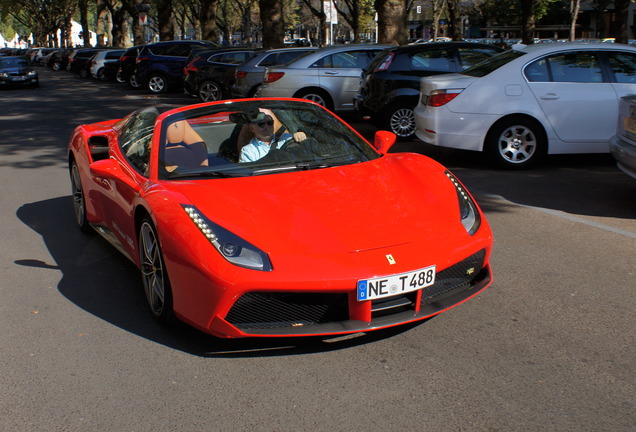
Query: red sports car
(273,217)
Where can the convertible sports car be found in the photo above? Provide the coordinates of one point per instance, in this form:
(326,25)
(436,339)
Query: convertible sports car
(324,235)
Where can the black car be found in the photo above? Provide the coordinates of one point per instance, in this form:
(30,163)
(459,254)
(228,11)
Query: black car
(209,74)
(390,85)
(159,66)
(110,71)
(16,71)
(127,64)
(59,59)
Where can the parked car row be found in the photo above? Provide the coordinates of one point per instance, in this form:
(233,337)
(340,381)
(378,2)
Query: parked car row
(513,105)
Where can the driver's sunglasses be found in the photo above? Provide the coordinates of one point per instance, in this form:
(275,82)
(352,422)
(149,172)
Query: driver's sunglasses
(265,123)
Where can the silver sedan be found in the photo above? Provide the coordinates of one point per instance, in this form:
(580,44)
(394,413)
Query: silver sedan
(329,76)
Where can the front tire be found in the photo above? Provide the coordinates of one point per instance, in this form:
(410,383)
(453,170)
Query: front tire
(157,84)
(209,91)
(516,143)
(79,203)
(153,273)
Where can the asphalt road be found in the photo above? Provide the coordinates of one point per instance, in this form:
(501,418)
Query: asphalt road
(550,346)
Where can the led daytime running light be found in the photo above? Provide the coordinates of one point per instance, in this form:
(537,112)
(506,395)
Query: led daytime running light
(467,208)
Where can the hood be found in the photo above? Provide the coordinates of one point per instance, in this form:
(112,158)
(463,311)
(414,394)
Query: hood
(394,201)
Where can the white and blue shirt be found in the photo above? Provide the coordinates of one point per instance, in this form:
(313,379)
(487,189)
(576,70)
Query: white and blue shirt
(256,148)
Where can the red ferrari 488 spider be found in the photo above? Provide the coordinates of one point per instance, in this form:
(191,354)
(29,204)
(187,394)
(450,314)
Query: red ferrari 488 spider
(273,217)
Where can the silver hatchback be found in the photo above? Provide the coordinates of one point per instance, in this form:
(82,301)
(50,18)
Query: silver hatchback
(249,75)
(329,76)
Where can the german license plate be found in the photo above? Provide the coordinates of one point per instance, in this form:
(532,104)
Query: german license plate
(370,289)
(19,78)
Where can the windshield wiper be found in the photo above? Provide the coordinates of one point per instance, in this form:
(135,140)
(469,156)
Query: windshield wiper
(210,174)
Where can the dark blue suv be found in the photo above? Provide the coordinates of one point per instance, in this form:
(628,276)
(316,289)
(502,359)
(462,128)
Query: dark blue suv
(159,66)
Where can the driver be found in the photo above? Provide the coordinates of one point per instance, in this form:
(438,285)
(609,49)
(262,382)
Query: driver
(262,126)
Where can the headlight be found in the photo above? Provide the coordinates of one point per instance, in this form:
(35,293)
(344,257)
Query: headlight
(231,247)
(4,75)
(31,73)
(467,207)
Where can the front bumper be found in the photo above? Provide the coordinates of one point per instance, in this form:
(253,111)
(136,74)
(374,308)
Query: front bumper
(625,155)
(13,81)
(307,314)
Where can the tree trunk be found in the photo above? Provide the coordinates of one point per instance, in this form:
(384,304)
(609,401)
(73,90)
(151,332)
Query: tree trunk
(273,25)
(392,28)
(208,20)
(575,5)
(527,22)
(166,21)
(455,20)
(621,8)
(86,34)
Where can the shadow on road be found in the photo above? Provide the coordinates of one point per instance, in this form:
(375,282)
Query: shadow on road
(101,281)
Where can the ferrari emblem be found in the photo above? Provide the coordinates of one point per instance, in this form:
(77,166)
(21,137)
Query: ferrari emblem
(390,258)
(470,271)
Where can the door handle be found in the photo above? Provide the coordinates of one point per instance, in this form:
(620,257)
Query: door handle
(331,73)
(549,96)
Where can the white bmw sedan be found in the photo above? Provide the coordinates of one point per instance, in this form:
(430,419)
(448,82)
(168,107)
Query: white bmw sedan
(530,101)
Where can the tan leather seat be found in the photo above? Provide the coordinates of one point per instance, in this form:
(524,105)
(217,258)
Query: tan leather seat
(184,147)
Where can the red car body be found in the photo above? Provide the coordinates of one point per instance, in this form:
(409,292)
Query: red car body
(319,232)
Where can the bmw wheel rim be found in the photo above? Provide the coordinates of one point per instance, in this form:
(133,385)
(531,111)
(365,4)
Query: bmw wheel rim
(403,122)
(152,269)
(517,144)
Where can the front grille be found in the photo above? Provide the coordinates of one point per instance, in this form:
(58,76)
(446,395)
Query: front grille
(458,277)
(262,310)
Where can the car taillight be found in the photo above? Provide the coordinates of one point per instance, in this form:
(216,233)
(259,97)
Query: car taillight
(270,77)
(240,74)
(385,63)
(140,59)
(191,67)
(442,97)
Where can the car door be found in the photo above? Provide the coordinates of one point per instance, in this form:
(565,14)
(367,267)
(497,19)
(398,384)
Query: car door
(623,70)
(122,185)
(578,101)
(339,74)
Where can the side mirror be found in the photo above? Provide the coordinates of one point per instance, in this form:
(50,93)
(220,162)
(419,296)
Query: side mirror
(383,141)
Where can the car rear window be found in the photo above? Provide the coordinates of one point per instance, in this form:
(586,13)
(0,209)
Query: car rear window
(494,63)
(274,59)
(438,60)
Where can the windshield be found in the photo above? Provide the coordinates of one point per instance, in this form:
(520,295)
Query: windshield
(13,62)
(493,63)
(256,137)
